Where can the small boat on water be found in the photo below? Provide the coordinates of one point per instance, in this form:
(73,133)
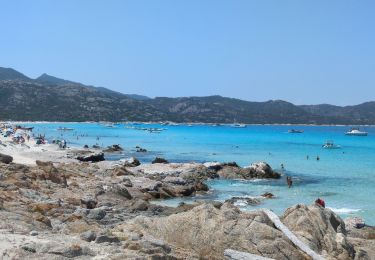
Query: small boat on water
(356,132)
(65,129)
(238,125)
(330,145)
(294,131)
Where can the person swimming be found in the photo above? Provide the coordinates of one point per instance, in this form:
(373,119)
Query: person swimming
(289,181)
(317,158)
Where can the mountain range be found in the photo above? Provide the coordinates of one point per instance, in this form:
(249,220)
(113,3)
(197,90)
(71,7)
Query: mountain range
(49,98)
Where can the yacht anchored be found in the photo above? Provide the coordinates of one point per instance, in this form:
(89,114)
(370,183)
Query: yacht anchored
(356,132)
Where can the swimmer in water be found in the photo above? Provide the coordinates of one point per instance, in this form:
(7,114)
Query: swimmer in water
(289,181)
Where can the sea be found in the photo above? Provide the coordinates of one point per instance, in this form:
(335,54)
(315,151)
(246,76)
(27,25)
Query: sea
(344,178)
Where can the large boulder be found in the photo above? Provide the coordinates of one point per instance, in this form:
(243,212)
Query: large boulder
(208,231)
(260,170)
(321,229)
(7,159)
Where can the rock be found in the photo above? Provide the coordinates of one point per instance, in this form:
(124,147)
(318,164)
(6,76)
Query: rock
(263,170)
(28,248)
(121,189)
(139,205)
(232,164)
(51,173)
(141,150)
(175,180)
(89,202)
(71,251)
(7,159)
(243,201)
(96,157)
(354,222)
(113,148)
(200,186)
(237,255)
(43,219)
(267,195)
(122,171)
(320,228)
(96,214)
(34,233)
(105,238)
(132,162)
(220,229)
(88,236)
(259,170)
(159,160)
(127,182)
(86,146)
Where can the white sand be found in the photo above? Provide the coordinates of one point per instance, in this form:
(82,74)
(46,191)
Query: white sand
(29,152)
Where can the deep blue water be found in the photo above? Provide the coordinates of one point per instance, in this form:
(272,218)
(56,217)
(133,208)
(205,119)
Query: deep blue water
(344,178)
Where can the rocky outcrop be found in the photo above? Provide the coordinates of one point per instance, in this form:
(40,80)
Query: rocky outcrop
(220,229)
(260,170)
(321,229)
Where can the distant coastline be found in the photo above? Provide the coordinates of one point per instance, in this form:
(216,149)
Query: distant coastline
(177,123)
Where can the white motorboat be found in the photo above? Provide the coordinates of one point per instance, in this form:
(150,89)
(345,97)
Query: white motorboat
(330,145)
(238,125)
(356,132)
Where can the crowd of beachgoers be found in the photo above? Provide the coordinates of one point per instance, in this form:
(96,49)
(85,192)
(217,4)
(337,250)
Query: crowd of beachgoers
(61,202)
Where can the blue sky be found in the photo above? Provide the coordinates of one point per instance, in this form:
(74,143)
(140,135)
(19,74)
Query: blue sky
(306,52)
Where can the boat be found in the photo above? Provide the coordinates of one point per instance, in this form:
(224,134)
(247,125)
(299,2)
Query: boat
(65,129)
(330,145)
(294,131)
(238,125)
(356,132)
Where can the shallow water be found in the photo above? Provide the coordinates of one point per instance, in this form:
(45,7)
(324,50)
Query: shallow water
(344,177)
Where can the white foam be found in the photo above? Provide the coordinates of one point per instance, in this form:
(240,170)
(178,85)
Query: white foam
(344,210)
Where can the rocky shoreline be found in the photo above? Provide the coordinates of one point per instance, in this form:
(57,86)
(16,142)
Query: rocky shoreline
(66,208)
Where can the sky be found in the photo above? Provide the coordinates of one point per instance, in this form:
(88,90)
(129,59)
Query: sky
(305,52)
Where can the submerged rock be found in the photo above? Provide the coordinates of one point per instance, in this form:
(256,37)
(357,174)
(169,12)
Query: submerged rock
(243,200)
(113,148)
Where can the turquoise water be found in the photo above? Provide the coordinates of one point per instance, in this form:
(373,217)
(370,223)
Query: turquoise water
(344,177)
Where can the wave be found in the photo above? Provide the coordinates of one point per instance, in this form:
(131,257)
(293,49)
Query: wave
(344,210)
